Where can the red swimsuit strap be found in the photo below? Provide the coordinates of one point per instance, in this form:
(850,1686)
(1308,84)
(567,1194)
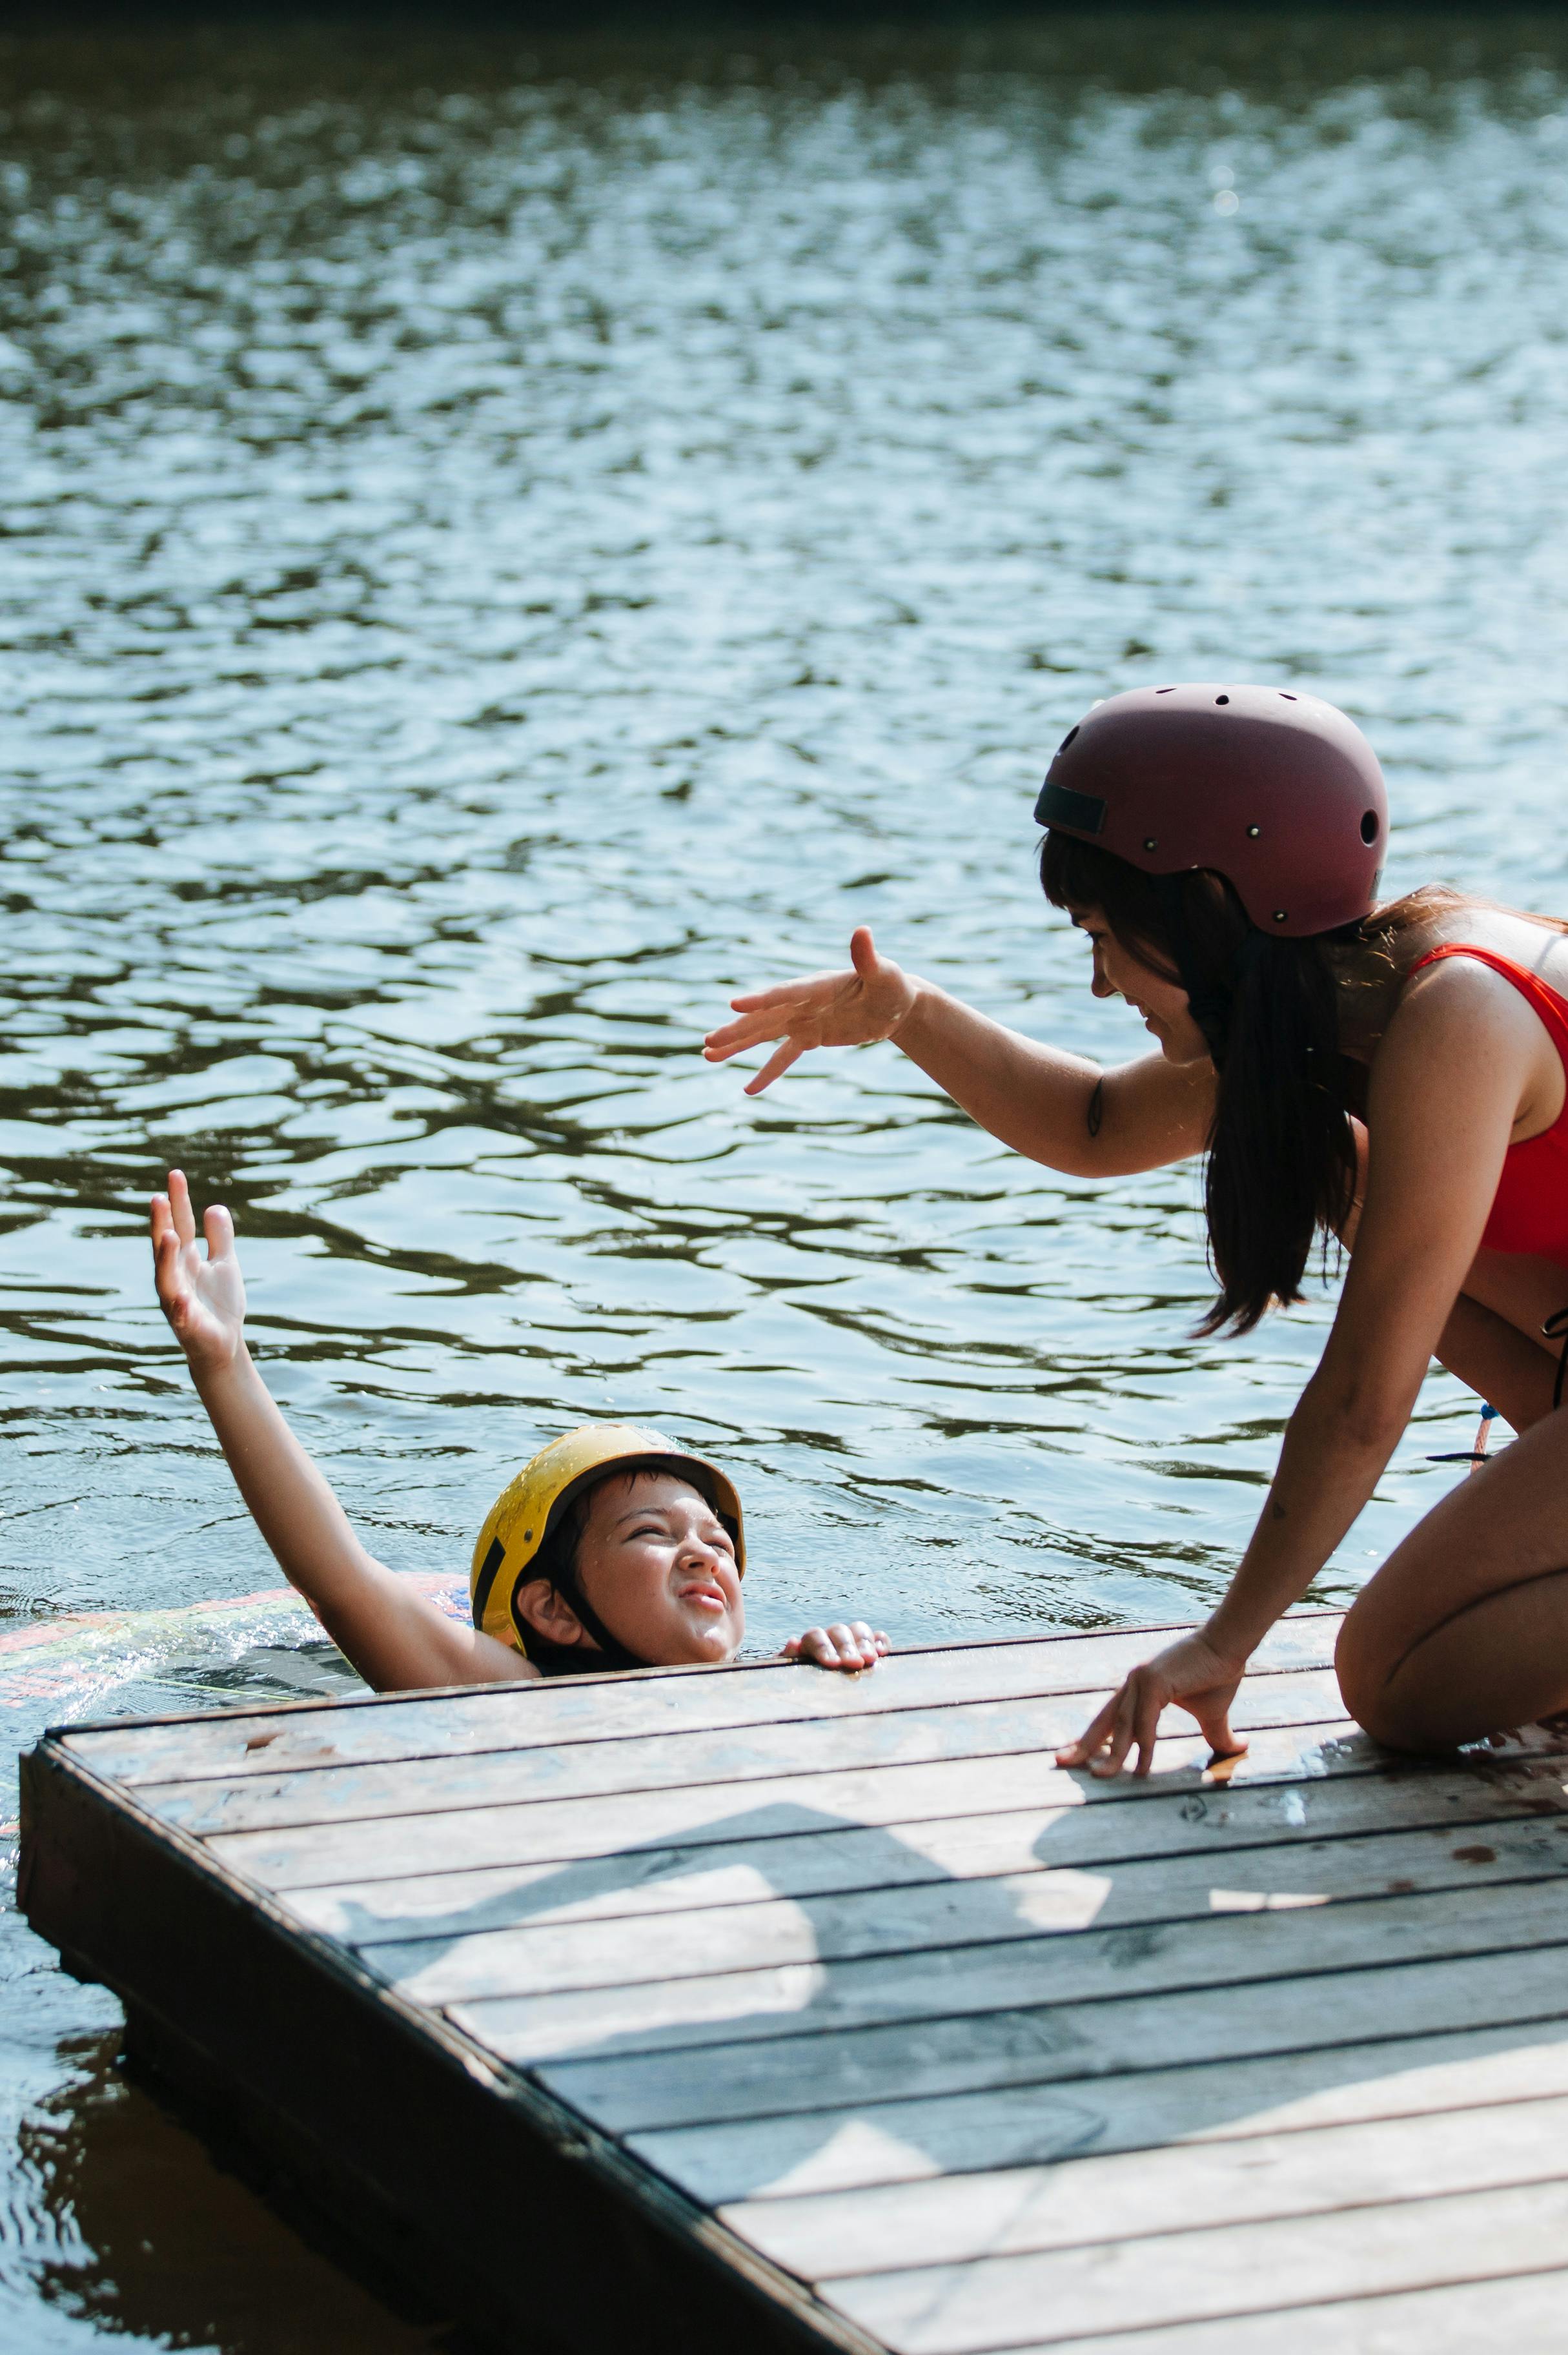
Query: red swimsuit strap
(1551,1008)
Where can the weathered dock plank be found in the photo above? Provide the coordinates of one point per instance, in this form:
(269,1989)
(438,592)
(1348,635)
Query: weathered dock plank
(1263,1801)
(851,2146)
(503,1716)
(801,2012)
(327,1789)
(764,1872)
(956,2219)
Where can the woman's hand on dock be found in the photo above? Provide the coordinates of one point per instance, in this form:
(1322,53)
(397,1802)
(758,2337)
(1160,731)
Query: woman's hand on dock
(851,1645)
(204,1299)
(825,1009)
(1188,1674)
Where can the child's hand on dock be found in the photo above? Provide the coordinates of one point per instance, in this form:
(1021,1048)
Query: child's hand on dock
(851,1645)
(823,1009)
(204,1299)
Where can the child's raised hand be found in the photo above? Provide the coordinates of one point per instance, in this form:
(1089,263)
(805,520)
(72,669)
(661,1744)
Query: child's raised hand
(204,1299)
(851,1645)
(825,1009)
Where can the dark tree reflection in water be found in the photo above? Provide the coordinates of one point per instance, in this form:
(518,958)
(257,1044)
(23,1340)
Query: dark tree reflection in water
(497,551)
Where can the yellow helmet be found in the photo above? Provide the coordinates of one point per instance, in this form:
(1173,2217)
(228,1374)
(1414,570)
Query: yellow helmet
(529,1507)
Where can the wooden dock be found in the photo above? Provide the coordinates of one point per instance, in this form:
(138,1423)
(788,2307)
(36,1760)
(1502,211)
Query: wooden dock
(763,2008)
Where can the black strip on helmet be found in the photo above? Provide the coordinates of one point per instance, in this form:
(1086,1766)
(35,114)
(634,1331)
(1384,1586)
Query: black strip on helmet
(486,1578)
(1059,806)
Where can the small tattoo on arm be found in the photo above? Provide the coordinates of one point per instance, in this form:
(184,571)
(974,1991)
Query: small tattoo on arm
(1096,1111)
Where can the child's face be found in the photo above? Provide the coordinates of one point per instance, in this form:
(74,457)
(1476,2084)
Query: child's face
(658,1566)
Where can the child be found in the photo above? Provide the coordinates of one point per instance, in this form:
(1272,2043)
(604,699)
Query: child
(612,1548)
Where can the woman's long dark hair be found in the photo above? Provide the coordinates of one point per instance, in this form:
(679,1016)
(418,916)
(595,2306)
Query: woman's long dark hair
(1281,1153)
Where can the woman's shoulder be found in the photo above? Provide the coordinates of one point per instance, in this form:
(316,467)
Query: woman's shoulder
(1457,1012)
(1536,945)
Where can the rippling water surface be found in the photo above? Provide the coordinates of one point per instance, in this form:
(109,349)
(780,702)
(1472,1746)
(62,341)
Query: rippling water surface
(497,552)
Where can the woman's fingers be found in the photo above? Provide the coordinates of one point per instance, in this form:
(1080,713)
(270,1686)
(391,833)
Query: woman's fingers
(778,1062)
(218,1229)
(1189,1675)
(781,993)
(734,1038)
(1214,1725)
(1145,1724)
(863,951)
(1092,1740)
(1129,1720)
(1123,1727)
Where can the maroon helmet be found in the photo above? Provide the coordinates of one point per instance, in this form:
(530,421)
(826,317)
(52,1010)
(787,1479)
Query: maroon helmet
(1276,790)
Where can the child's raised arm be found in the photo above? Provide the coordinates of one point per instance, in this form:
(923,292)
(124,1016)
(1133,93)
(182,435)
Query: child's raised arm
(397,1637)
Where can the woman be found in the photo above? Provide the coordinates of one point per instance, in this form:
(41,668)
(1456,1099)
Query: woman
(611,1549)
(1222,847)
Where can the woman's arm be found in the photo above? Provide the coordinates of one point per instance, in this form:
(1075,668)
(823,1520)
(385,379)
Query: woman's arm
(1449,1077)
(1058,1109)
(397,1638)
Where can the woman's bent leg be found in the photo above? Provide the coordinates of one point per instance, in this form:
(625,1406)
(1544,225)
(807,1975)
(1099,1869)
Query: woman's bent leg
(1513,1370)
(1464,1631)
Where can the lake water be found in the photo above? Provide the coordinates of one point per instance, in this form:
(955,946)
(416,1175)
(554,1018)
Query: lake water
(499,551)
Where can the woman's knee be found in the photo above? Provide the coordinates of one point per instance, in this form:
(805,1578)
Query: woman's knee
(1367,1668)
(1360,1663)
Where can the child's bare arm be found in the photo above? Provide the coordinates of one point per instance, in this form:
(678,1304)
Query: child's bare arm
(397,1637)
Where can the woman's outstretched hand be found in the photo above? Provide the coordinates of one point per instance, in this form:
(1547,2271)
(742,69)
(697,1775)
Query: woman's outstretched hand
(851,1645)
(1191,1675)
(204,1299)
(825,1009)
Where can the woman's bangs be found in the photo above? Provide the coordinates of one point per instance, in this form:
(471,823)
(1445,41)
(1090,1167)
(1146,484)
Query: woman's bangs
(1077,876)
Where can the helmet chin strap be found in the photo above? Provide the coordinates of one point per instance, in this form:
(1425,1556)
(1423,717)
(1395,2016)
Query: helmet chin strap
(553,1659)
(612,1652)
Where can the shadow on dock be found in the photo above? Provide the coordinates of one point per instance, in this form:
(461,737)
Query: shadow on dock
(1051,2083)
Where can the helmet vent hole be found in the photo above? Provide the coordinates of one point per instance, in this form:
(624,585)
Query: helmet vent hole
(1285,699)
(1253,831)
(1221,699)
(1165,690)
(1067,740)
(1151,842)
(1370,826)
(1280,915)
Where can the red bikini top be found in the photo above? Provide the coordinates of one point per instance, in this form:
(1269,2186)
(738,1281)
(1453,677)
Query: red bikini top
(1530,1209)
